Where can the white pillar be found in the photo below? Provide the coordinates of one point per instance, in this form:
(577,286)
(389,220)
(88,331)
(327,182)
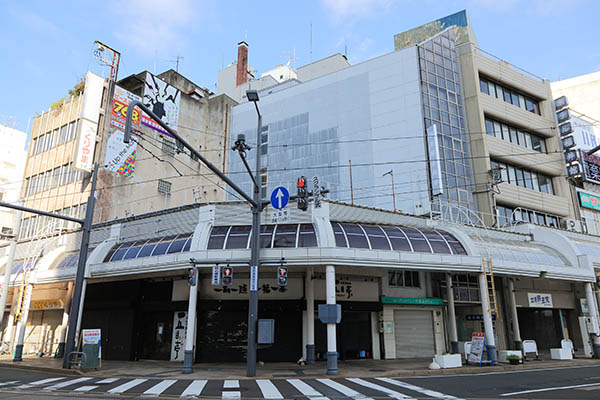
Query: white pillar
(188,359)
(514,315)
(9,263)
(593,307)
(487,317)
(375,335)
(65,321)
(23,323)
(332,365)
(310,316)
(451,315)
(79,316)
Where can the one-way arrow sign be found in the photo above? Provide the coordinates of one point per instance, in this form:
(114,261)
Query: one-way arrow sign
(280,197)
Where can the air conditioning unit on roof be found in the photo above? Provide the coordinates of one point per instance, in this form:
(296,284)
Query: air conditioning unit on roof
(573,225)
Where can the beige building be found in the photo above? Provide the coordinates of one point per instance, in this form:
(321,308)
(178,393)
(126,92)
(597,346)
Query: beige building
(583,93)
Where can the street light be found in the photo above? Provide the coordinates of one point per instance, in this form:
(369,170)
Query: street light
(255,247)
(391,173)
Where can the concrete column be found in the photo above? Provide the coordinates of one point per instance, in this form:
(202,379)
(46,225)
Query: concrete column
(514,315)
(310,316)
(188,357)
(23,324)
(451,315)
(375,335)
(60,352)
(79,315)
(11,328)
(487,317)
(332,364)
(593,307)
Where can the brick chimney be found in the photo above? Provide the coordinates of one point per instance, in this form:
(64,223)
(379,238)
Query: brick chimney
(242,64)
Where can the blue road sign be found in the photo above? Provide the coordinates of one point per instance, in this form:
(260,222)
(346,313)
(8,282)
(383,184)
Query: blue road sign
(280,197)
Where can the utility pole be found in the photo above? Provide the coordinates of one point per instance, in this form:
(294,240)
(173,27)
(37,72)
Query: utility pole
(255,202)
(391,173)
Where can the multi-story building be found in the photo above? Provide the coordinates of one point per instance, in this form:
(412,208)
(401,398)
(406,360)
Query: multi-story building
(12,159)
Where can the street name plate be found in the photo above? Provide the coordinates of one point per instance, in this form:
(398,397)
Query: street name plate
(253,278)
(216,275)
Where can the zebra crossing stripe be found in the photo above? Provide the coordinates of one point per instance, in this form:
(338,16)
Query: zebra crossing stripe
(127,386)
(160,387)
(195,388)
(67,383)
(268,390)
(108,380)
(345,390)
(8,383)
(306,389)
(390,392)
(85,388)
(231,395)
(42,382)
(231,384)
(428,392)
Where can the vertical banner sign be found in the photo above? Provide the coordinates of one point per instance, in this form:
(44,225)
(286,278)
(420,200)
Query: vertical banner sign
(435,165)
(216,275)
(178,341)
(163,99)
(253,278)
(90,111)
(120,157)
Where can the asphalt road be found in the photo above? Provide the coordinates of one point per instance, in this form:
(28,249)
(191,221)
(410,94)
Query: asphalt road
(565,383)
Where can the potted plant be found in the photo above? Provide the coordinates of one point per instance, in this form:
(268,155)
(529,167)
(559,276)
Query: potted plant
(513,359)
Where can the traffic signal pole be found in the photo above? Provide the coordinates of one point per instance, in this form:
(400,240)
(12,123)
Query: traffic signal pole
(188,354)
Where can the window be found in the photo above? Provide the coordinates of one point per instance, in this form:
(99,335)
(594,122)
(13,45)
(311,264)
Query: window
(164,187)
(510,215)
(404,279)
(508,95)
(168,146)
(525,178)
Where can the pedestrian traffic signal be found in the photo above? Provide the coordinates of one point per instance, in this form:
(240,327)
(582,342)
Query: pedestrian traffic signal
(302,194)
(227,276)
(192,276)
(282,276)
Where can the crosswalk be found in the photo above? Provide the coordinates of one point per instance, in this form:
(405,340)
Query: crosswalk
(313,389)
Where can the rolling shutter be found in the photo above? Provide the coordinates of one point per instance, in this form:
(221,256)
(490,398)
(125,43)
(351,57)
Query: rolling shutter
(413,330)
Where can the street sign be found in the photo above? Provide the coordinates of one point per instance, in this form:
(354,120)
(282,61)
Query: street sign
(280,216)
(253,278)
(316,192)
(280,197)
(216,275)
(477,347)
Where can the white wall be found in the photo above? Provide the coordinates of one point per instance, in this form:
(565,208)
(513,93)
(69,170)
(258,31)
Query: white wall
(12,165)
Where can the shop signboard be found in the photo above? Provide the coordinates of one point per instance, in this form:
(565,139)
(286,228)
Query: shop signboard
(591,168)
(477,347)
(163,100)
(585,310)
(267,289)
(420,301)
(350,289)
(589,201)
(178,338)
(92,336)
(47,305)
(540,300)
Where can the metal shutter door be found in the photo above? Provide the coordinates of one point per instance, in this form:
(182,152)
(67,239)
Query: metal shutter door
(413,330)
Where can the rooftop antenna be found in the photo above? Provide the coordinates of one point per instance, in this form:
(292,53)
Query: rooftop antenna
(311,42)
(108,57)
(176,61)
(346,51)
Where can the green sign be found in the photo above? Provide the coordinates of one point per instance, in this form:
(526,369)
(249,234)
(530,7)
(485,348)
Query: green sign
(420,301)
(589,201)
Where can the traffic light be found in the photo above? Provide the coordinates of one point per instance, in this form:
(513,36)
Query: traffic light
(227,276)
(302,194)
(282,276)
(192,276)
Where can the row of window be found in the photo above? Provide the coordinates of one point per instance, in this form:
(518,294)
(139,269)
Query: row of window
(271,236)
(54,138)
(521,177)
(514,135)
(386,237)
(401,278)
(52,178)
(510,215)
(150,247)
(465,288)
(509,95)
(42,225)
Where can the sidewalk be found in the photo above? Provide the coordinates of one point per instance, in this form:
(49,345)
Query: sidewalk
(352,368)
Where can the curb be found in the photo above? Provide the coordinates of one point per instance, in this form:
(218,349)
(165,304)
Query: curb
(53,370)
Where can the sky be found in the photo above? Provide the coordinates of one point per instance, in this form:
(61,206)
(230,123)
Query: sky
(47,46)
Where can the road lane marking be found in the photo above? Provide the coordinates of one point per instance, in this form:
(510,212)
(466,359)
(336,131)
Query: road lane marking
(86,388)
(268,390)
(550,389)
(195,388)
(231,384)
(108,380)
(306,389)
(160,387)
(36,383)
(127,386)
(428,392)
(67,383)
(389,392)
(8,383)
(520,371)
(345,390)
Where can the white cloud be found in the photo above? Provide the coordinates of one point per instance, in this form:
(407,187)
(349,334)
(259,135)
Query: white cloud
(347,8)
(155,25)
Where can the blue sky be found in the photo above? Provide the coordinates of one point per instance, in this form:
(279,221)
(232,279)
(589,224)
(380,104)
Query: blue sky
(46,46)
